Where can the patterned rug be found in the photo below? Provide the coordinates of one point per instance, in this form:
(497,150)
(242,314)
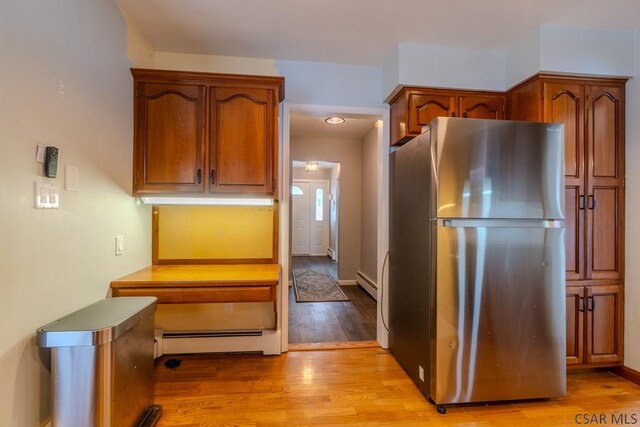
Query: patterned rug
(316,285)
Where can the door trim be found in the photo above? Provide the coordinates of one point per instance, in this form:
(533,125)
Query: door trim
(284,175)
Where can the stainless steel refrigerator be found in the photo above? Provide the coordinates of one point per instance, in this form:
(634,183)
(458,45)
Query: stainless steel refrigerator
(476,261)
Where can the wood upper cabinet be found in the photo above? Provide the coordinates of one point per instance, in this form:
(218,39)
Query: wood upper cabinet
(169,138)
(412,108)
(481,107)
(242,140)
(424,107)
(205,133)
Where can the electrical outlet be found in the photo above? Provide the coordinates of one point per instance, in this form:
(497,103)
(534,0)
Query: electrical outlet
(228,307)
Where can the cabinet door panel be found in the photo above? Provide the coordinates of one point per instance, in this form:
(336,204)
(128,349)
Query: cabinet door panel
(604,324)
(423,108)
(169,138)
(564,103)
(481,107)
(605,160)
(242,150)
(604,217)
(575,324)
(603,132)
(574,220)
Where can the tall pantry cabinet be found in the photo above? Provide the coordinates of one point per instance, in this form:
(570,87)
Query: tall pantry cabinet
(592,111)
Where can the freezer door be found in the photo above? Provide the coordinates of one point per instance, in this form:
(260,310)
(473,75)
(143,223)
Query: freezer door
(499,332)
(498,169)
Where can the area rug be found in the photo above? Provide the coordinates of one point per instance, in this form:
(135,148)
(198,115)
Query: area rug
(316,285)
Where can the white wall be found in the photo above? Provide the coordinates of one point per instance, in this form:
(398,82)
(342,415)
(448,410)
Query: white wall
(369,207)
(557,49)
(437,66)
(332,84)
(140,52)
(215,63)
(548,48)
(522,59)
(65,81)
(586,51)
(348,153)
(632,235)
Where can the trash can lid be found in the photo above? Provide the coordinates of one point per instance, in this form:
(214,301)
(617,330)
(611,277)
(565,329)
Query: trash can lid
(98,323)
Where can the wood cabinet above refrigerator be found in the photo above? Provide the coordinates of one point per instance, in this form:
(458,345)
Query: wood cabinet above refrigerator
(414,107)
(205,133)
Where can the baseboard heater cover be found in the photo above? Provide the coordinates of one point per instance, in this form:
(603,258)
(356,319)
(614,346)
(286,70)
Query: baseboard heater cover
(212,342)
(210,334)
(331,253)
(367,285)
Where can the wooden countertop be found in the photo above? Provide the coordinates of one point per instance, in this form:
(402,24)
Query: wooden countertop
(178,276)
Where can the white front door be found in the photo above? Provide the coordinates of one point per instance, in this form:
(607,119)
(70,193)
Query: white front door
(300,213)
(319,217)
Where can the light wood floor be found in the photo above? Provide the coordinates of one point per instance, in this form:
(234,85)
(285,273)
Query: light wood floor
(321,322)
(354,387)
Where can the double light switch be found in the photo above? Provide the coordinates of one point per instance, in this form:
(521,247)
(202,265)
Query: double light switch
(46,195)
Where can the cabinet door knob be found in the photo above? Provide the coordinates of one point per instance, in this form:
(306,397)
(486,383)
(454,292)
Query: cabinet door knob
(199,176)
(212,176)
(464,114)
(581,304)
(591,304)
(453,114)
(582,202)
(592,201)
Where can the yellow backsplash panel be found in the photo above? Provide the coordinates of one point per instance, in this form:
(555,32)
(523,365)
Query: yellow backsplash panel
(215,232)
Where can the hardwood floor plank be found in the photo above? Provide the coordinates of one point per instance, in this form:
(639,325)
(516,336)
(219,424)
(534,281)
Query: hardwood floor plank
(354,387)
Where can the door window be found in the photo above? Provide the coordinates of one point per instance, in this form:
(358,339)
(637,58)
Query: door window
(319,204)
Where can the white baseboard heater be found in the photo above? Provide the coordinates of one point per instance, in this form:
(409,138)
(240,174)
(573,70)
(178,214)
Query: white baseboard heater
(367,284)
(331,253)
(211,342)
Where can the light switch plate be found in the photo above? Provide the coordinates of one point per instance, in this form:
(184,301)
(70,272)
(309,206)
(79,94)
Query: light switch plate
(71,178)
(46,195)
(119,245)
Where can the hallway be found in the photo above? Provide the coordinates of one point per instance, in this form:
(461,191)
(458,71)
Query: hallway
(316,322)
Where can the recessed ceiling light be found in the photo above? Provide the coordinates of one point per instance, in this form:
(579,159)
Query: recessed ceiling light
(334,120)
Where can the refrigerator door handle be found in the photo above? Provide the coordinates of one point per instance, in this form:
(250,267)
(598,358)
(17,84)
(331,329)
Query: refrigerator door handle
(500,223)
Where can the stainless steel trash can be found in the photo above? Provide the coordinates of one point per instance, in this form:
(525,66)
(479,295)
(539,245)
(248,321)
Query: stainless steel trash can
(102,364)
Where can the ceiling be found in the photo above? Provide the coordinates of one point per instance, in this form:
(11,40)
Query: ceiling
(360,32)
(354,127)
